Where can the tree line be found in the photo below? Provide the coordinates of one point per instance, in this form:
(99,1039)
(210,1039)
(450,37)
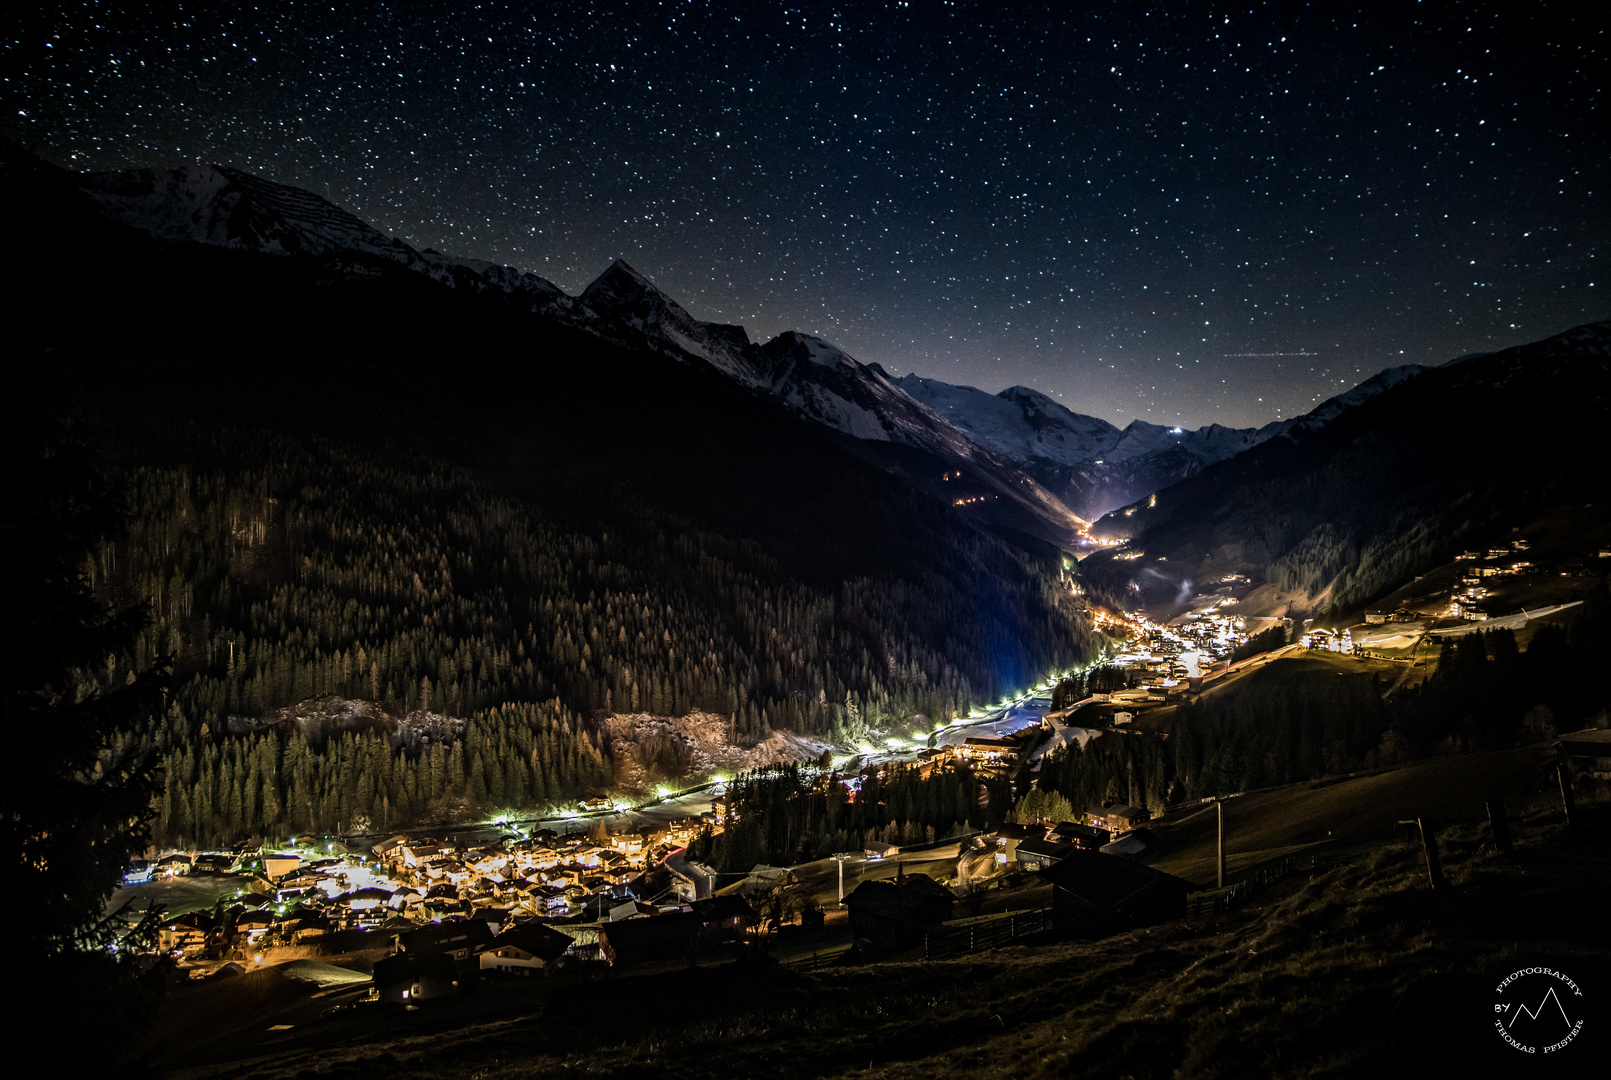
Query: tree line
(282,570)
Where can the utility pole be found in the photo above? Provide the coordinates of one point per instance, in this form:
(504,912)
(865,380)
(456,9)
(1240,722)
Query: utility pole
(1219,808)
(1219,811)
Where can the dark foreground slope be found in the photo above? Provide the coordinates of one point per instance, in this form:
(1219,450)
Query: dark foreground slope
(1343,513)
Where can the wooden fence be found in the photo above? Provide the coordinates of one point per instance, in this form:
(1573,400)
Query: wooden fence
(945,941)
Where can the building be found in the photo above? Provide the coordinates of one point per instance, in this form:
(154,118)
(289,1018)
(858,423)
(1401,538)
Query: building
(1039,854)
(526,949)
(892,913)
(1119,817)
(410,977)
(674,936)
(1109,892)
(1588,752)
(1008,837)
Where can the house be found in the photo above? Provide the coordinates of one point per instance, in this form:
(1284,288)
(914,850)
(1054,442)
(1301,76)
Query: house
(691,880)
(892,913)
(874,850)
(1118,817)
(764,879)
(1588,752)
(664,937)
(187,934)
(991,751)
(1038,854)
(462,940)
(1110,892)
(1008,837)
(525,949)
(410,977)
(1085,836)
(278,864)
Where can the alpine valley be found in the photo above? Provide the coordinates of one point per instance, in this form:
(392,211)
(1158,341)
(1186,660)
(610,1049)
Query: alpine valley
(482,608)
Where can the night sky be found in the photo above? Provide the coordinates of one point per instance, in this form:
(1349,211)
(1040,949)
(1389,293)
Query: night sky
(1188,213)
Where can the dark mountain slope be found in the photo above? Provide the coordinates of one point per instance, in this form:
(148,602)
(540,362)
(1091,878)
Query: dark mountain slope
(388,487)
(1344,512)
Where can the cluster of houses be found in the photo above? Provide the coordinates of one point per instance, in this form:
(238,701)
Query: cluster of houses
(406,882)
(1111,830)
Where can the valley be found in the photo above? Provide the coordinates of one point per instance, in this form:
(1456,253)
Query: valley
(610,638)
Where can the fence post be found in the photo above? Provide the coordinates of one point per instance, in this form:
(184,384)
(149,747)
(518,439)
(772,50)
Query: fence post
(1499,825)
(1563,773)
(1429,843)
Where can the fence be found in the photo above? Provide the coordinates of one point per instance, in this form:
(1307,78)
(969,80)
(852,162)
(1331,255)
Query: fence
(946,941)
(1214,901)
(813,961)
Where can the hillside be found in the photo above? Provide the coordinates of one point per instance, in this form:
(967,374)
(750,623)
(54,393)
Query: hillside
(1282,987)
(379,487)
(1337,515)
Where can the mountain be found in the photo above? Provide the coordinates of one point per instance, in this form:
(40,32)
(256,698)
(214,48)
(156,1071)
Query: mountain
(226,208)
(1090,464)
(1383,482)
(1017,457)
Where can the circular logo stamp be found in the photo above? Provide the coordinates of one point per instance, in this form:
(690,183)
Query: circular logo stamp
(1537,1010)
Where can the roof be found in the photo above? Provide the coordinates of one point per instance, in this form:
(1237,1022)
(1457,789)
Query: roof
(661,931)
(1107,882)
(439,937)
(1021,832)
(409,966)
(1074,830)
(898,894)
(1049,848)
(535,938)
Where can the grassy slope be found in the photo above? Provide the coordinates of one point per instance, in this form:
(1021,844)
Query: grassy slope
(1354,967)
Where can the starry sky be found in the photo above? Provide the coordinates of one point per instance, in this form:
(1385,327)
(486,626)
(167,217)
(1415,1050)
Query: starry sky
(1186,213)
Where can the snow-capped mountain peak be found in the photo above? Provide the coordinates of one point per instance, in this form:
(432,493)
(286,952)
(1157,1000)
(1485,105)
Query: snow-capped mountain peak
(224,207)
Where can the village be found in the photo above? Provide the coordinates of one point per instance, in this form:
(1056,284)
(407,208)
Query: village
(432,914)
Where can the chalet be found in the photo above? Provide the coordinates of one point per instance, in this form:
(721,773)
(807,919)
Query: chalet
(1039,854)
(691,880)
(186,934)
(991,751)
(410,977)
(875,850)
(893,913)
(1085,836)
(525,949)
(463,940)
(173,866)
(763,879)
(278,864)
(1008,837)
(1588,752)
(1110,892)
(726,917)
(594,806)
(663,937)
(1118,818)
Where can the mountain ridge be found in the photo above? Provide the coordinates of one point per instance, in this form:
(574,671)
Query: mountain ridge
(1060,467)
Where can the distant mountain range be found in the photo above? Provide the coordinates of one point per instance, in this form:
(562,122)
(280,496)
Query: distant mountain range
(1017,455)
(1382,483)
